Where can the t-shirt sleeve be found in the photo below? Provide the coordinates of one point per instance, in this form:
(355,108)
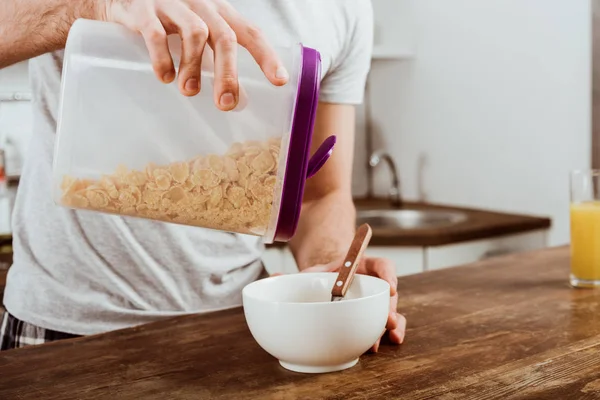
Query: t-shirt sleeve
(345,81)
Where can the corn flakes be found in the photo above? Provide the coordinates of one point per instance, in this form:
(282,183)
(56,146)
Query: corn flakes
(162,178)
(135,178)
(263,163)
(232,192)
(179,171)
(97,198)
(206,178)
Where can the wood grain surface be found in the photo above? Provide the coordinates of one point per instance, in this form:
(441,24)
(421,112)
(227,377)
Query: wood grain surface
(506,328)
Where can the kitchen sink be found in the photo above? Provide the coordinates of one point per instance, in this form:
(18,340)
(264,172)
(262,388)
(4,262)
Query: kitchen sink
(393,220)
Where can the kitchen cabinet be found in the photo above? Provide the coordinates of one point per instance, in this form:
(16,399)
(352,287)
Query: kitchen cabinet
(407,260)
(410,260)
(440,257)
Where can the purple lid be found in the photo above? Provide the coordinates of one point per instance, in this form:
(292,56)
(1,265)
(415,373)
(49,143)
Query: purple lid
(299,167)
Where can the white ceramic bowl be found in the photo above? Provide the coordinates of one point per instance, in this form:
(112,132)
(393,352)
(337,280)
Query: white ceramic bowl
(293,319)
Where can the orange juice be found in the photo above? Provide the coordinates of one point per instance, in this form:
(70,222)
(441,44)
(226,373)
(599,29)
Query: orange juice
(585,241)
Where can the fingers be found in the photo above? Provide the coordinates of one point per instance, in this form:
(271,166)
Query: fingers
(224,43)
(396,323)
(226,80)
(392,321)
(375,346)
(384,269)
(255,42)
(194,35)
(155,36)
(397,335)
(217,23)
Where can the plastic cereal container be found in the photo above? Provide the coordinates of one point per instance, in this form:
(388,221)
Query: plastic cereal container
(130,145)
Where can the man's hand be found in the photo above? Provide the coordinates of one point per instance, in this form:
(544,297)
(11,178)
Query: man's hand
(384,269)
(34,27)
(198,22)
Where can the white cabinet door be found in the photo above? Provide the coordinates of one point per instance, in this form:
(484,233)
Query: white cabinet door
(407,260)
(413,260)
(463,253)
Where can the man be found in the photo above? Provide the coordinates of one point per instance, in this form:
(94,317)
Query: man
(80,273)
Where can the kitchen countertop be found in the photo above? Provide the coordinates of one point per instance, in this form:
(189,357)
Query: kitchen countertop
(505,328)
(480,224)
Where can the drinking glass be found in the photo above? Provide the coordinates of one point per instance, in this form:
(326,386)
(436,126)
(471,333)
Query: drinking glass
(585,228)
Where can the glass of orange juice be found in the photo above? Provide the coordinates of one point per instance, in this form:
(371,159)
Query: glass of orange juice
(585,228)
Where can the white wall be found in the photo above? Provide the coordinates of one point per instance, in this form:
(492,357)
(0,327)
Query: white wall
(494,109)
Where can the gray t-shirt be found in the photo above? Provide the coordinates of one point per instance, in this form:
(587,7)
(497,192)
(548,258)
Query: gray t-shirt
(85,273)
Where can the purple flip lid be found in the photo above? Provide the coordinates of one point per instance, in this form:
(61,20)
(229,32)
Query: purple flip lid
(299,167)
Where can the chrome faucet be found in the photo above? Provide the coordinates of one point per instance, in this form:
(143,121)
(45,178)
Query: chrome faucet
(394,193)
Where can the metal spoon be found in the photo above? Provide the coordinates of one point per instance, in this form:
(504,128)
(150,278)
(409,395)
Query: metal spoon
(348,269)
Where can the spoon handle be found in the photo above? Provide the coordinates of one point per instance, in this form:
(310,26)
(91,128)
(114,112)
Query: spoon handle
(348,268)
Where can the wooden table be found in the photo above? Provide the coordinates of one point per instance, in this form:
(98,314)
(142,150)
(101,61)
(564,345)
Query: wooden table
(508,328)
